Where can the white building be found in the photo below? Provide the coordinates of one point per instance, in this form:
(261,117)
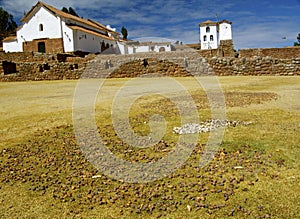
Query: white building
(211,33)
(130,47)
(47,29)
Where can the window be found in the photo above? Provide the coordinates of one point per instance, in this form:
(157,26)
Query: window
(211,38)
(41,27)
(207,29)
(205,38)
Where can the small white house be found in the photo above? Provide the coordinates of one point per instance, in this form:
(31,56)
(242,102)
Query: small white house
(130,47)
(211,33)
(47,29)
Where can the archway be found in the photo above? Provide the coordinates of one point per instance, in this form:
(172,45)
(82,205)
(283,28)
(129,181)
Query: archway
(162,49)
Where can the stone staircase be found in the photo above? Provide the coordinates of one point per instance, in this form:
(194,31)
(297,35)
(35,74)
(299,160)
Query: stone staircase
(185,63)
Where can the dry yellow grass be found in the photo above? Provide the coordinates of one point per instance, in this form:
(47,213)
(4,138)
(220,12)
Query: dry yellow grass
(34,114)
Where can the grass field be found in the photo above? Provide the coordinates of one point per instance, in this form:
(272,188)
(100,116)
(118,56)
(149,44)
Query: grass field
(254,174)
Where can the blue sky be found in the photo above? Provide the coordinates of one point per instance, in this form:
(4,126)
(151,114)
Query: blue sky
(255,23)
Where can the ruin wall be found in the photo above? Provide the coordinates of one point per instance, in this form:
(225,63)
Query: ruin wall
(31,66)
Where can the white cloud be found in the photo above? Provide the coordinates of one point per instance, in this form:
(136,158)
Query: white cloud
(268,31)
(179,19)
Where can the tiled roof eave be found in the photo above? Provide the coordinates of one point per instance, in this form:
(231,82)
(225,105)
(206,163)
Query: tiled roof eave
(73,27)
(67,16)
(10,39)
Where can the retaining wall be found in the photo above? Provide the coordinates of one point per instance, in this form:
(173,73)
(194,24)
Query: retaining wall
(279,53)
(29,66)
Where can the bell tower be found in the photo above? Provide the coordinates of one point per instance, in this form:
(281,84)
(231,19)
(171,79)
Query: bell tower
(215,34)
(209,35)
(225,32)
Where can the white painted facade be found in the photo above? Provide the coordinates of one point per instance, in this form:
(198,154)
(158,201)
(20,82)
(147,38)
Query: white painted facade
(42,24)
(208,35)
(46,22)
(142,47)
(11,45)
(211,33)
(85,41)
(225,31)
(68,36)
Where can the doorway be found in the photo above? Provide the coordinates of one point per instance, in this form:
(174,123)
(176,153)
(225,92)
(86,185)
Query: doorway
(41,47)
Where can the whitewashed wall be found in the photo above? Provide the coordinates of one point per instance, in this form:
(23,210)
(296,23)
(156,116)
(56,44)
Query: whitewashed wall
(89,43)
(122,48)
(225,32)
(31,30)
(208,44)
(131,49)
(158,47)
(51,26)
(68,38)
(12,46)
(142,49)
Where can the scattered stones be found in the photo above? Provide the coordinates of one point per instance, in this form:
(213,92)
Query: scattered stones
(238,167)
(189,208)
(207,126)
(51,163)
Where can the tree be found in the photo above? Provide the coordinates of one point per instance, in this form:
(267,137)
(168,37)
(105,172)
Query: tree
(124,33)
(298,38)
(7,24)
(64,9)
(70,11)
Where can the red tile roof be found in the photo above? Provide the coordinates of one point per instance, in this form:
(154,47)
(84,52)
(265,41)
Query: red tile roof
(208,22)
(68,16)
(91,32)
(9,39)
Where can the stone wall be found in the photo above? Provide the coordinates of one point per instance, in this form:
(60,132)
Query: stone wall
(31,71)
(255,66)
(32,66)
(51,45)
(209,53)
(183,62)
(150,66)
(27,57)
(279,53)
(41,66)
(226,48)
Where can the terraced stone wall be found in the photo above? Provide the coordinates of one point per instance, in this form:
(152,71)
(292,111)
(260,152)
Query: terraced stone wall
(29,66)
(276,53)
(41,66)
(256,66)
